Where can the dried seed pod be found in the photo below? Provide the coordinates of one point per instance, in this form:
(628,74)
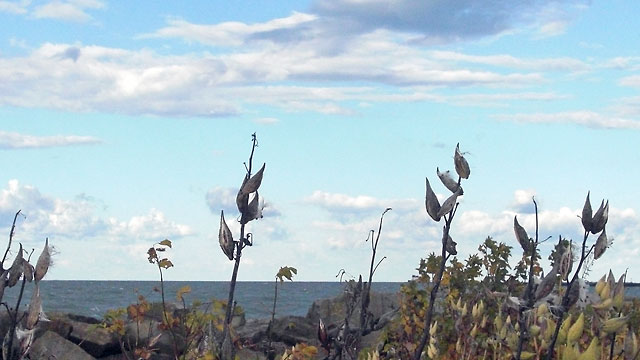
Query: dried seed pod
(447,180)
(546,284)
(601,245)
(43,263)
(225,238)
(254,182)
(242,201)
(574,294)
(3,282)
(34,309)
(521,235)
(323,336)
(16,269)
(431,203)
(462,166)
(600,218)
(630,345)
(27,270)
(618,292)
(566,262)
(253,212)
(587,220)
(451,246)
(449,204)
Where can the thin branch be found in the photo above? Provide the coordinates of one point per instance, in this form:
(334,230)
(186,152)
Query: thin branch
(13,229)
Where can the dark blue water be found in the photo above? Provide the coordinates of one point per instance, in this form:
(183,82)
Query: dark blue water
(94,298)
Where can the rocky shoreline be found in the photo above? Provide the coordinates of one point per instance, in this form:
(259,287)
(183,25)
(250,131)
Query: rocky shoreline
(69,336)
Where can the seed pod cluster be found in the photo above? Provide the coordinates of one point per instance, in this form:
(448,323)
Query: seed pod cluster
(594,223)
(432,204)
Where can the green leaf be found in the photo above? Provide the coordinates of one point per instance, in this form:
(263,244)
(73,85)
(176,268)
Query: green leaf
(165,242)
(286,272)
(165,263)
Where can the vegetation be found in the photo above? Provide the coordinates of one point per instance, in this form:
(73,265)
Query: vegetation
(481,307)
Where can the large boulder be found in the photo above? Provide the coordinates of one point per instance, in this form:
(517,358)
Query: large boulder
(94,339)
(292,330)
(332,311)
(53,346)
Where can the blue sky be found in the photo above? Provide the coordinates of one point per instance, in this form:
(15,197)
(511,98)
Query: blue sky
(124,123)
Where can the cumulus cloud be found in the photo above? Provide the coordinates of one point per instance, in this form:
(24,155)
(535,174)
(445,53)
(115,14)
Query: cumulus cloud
(342,203)
(79,218)
(12,140)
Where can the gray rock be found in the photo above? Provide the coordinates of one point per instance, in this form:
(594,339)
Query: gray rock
(138,333)
(53,346)
(332,311)
(94,339)
(292,330)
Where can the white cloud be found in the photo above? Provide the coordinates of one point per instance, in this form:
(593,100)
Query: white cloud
(71,10)
(12,140)
(566,64)
(266,121)
(342,203)
(553,28)
(633,80)
(14,7)
(79,219)
(584,118)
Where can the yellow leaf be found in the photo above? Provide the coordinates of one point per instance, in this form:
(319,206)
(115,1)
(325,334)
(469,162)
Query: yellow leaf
(183,290)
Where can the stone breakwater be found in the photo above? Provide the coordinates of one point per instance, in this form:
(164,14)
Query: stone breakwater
(69,336)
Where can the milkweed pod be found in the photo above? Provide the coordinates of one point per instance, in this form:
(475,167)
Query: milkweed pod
(447,180)
(534,330)
(542,309)
(462,166)
(547,284)
(474,310)
(527,355)
(483,322)
(253,210)
(323,337)
(465,310)
(566,262)
(600,284)
(587,220)
(434,328)
(225,238)
(606,291)
(603,305)
(592,352)
(497,322)
(431,203)
(449,204)
(574,293)
(521,235)
(27,270)
(618,293)
(34,309)
(575,331)
(564,329)
(550,329)
(569,353)
(474,331)
(43,263)
(432,351)
(615,324)
(451,246)
(254,182)
(600,218)
(242,201)
(16,269)
(481,308)
(601,245)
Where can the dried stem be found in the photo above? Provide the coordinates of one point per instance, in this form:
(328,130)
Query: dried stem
(436,285)
(565,298)
(528,295)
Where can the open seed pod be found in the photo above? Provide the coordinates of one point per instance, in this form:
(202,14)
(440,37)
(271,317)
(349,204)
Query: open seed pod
(15,272)
(447,180)
(601,245)
(35,308)
(43,263)
(450,203)
(462,166)
(225,238)
(451,246)
(546,284)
